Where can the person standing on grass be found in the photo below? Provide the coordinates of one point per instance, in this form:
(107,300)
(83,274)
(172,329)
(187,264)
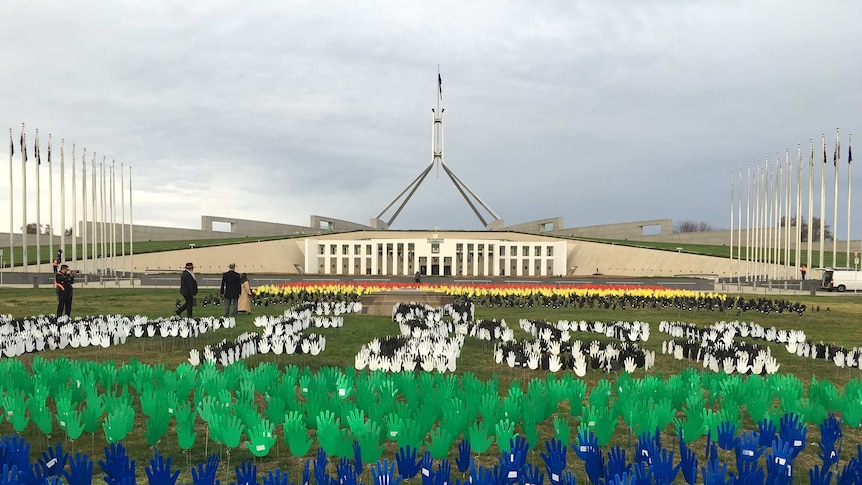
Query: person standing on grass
(64,278)
(230,288)
(244,303)
(188,288)
(803,269)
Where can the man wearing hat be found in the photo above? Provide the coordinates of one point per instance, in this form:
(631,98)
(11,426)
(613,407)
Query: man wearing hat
(188,288)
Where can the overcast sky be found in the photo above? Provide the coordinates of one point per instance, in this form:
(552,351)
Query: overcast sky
(594,111)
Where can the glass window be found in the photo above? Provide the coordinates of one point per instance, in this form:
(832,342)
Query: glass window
(333,249)
(550,251)
(537,251)
(345,249)
(321,249)
(513,251)
(435,248)
(525,251)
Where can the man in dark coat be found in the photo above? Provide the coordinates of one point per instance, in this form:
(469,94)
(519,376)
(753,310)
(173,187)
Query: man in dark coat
(64,278)
(230,289)
(188,288)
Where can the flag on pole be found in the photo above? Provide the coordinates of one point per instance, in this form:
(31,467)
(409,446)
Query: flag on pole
(440,84)
(49,148)
(11,144)
(837,155)
(36,152)
(849,154)
(23,146)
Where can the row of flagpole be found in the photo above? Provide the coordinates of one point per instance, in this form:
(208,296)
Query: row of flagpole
(99,223)
(766,196)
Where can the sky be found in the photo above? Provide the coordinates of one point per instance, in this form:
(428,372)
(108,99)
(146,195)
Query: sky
(597,112)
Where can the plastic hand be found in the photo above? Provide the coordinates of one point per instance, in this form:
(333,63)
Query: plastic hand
(406,460)
(532,476)
(80,470)
(726,433)
(463,460)
(441,476)
(384,474)
(794,432)
(261,438)
(518,447)
(206,475)
(616,463)
(663,469)
(346,472)
(587,450)
(357,456)
(780,462)
(510,465)
(749,473)
(820,476)
(159,470)
(320,474)
(748,451)
(643,473)
(117,465)
(53,462)
(426,465)
(767,430)
(714,473)
(830,433)
(688,462)
(246,473)
(306,473)
(555,460)
(277,478)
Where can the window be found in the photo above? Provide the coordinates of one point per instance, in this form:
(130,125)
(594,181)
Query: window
(537,251)
(345,249)
(333,249)
(525,251)
(357,249)
(321,249)
(513,251)
(550,251)
(368,250)
(490,248)
(435,248)
(481,247)
(459,247)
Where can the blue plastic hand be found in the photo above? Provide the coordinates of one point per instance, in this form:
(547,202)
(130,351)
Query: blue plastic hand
(663,469)
(510,466)
(464,458)
(643,473)
(306,473)
(426,466)
(80,470)
(569,478)
(17,451)
(714,473)
(820,476)
(159,470)
(766,429)
(406,460)
(441,476)
(532,475)
(749,474)
(748,452)
(357,457)
(206,475)
(117,465)
(616,463)
(246,473)
(320,475)
(852,471)
(688,462)
(555,460)
(519,447)
(587,449)
(624,479)
(830,433)
(481,476)
(780,463)
(277,478)
(53,461)
(794,432)
(384,474)
(346,472)
(726,434)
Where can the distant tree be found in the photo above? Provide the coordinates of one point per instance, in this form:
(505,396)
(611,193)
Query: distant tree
(68,231)
(692,226)
(33,228)
(827,233)
(47,229)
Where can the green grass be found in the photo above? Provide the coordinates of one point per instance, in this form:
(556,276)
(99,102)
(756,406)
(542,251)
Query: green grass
(723,251)
(832,319)
(141,247)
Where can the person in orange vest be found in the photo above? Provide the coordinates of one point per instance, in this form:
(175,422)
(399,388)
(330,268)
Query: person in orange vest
(803,269)
(64,278)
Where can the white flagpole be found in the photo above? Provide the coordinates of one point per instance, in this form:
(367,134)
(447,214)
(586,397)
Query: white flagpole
(94,245)
(103,200)
(73,236)
(823,201)
(84,210)
(788,196)
(810,236)
(739,229)
(131,230)
(38,157)
(63,195)
(798,235)
(759,227)
(123,218)
(835,159)
(730,261)
(50,203)
(773,226)
(849,181)
(755,213)
(113,234)
(24,262)
(748,226)
(11,205)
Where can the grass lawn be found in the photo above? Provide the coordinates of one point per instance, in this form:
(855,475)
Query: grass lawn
(832,319)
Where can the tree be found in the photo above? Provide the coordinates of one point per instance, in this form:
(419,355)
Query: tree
(692,226)
(47,229)
(827,233)
(68,231)
(33,228)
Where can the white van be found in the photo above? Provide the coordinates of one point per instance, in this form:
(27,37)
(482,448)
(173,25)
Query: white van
(841,279)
